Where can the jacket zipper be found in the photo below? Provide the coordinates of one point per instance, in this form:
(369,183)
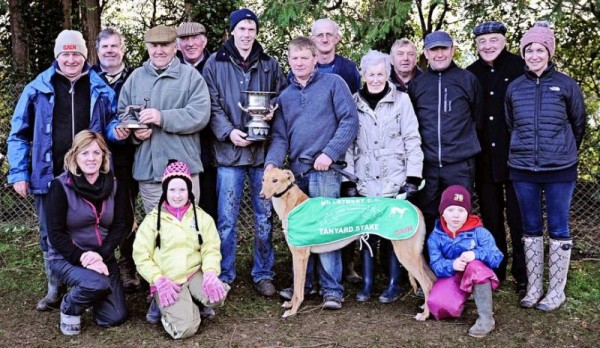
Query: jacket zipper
(439,128)
(535,122)
(72,92)
(96,226)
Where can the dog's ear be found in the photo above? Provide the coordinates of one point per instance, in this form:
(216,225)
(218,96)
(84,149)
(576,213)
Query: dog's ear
(290,175)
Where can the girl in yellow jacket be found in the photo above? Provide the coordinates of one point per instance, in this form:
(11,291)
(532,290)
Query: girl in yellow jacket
(177,251)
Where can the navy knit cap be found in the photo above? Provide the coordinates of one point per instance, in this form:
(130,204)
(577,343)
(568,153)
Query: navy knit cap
(438,39)
(238,15)
(491,27)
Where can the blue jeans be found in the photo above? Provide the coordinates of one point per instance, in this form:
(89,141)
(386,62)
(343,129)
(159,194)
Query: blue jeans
(324,184)
(40,209)
(89,288)
(558,203)
(230,187)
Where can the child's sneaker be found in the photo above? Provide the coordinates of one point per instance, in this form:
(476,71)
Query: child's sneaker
(70,325)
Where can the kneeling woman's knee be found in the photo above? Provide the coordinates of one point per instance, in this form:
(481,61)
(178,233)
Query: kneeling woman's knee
(98,284)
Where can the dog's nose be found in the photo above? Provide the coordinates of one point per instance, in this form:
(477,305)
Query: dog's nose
(261,195)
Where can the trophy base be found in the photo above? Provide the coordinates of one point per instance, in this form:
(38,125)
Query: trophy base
(132,126)
(256,138)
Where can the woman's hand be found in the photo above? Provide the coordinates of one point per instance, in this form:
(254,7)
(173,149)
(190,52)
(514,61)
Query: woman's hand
(99,267)
(89,257)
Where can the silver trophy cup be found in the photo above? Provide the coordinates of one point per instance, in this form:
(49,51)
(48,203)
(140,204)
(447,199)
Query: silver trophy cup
(258,107)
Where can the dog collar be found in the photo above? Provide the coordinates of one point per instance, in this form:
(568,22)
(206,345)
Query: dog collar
(277,195)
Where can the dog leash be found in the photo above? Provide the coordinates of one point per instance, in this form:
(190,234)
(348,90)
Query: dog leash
(337,166)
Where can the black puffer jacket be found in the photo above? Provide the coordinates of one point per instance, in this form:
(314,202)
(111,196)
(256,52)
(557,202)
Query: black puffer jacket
(546,118)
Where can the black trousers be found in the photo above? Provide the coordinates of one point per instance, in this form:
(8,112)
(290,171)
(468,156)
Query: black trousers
(494,199)
(125,179)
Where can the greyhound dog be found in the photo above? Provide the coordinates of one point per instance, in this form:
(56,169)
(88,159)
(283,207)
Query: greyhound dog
(279,186)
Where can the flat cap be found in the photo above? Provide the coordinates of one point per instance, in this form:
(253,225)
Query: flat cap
(160,34)
(438,39)
(190,29)
(491,27)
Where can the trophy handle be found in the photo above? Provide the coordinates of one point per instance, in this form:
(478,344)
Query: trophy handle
(273,108)
(241,107)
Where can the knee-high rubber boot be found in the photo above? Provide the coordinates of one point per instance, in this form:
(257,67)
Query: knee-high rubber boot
(368,267)
(534,260)
(559,257)
(395,269)
(55,289)
(485,309)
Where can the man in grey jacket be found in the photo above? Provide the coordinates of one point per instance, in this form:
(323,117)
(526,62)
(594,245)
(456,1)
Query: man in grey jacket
(178,107)
(241,65)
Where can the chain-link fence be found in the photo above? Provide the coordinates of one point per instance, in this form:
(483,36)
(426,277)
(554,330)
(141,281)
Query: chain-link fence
(585,215)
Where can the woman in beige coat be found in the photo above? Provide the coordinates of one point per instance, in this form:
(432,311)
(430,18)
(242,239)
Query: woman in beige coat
(386,157)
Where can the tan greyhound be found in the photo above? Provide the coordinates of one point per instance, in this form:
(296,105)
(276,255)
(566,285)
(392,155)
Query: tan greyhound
(279,186)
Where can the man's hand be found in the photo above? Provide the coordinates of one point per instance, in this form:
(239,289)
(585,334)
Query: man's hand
(269,167)
(122,133)
(150,116)
(143,134)
(269,116)
(459,264)
(237,137)
(21,187)
(322,163)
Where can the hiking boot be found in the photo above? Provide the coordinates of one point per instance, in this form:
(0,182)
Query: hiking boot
(287,293)
(332,303)
(153,315)
(265,287)
(559,257)
(129,277)
(70,325)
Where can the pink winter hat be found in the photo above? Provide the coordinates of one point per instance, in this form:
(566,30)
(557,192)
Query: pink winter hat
(542,34)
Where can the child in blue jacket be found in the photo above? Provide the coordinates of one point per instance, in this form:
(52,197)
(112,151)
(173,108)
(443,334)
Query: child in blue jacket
(462,254)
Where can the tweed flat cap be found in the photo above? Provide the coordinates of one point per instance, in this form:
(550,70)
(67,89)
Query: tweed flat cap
(491,27)
(190,29)
(160,34)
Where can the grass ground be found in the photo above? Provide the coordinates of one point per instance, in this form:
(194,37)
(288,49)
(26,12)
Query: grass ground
(248,320)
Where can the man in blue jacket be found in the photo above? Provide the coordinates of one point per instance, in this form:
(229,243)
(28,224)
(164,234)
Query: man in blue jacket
(314,126)
(446,99)
(60,102)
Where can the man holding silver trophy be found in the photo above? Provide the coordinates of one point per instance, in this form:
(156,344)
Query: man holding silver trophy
(238,67)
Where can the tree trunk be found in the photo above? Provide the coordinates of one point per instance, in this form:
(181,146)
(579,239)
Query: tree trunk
(18,35)
(187,11)
(66,10)
(90,15)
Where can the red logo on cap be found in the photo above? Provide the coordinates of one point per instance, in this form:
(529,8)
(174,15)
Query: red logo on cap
(69,47)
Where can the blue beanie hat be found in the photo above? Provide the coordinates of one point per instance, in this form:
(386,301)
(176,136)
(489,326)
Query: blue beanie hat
(238,15)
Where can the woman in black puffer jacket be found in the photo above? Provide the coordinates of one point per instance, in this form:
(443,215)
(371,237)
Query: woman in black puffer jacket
(545,114)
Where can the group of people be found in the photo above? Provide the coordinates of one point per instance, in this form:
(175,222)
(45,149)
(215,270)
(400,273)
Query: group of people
(507,128)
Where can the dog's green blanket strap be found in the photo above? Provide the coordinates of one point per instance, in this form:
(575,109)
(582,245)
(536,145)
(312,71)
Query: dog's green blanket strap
(321,220)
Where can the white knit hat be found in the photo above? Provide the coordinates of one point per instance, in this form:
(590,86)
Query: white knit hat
(70,41)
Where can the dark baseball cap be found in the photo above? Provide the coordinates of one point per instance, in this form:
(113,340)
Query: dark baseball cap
(438,39)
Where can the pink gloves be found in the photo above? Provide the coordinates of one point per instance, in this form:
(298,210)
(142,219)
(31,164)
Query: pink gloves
(93,261)
(167,291)
(213,287)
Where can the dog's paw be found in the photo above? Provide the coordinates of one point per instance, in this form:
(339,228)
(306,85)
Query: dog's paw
(287,304)
(288,314)
(421,317)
